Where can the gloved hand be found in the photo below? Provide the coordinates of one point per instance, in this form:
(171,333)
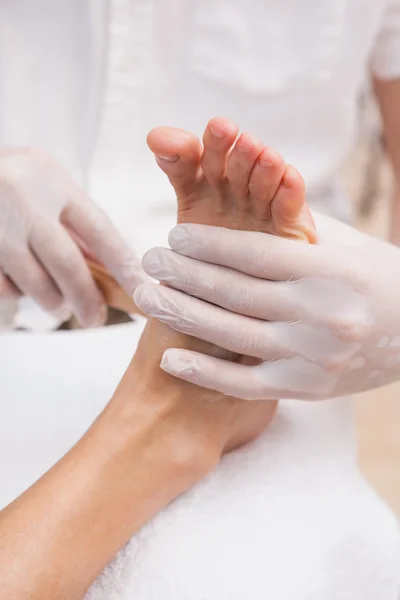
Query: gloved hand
(44,217)
(324,319)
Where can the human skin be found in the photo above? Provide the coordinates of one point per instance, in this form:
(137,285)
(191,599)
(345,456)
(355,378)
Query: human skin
(387,93)
(238,183)
(60,533)
(158,436)
(156,439)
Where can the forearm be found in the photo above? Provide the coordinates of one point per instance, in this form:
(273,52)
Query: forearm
(58,535)
(388,96)
(394,233)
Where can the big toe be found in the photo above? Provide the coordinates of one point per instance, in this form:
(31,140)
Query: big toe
(178,154)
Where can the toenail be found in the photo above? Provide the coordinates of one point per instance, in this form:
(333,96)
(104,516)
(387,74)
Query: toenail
(173,158)
(266,162)
(287,183)
(245,147)
(247,143)
(178,238)
(216,131)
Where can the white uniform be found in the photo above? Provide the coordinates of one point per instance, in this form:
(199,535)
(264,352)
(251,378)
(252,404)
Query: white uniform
(289,518)
(87,79)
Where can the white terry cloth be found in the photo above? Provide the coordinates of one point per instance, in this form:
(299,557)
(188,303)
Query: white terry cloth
(287,518)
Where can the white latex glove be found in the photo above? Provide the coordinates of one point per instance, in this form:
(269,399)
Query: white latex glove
(324,319)
(39,204)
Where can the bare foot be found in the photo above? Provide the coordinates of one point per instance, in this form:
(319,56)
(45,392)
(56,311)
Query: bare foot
(238,184)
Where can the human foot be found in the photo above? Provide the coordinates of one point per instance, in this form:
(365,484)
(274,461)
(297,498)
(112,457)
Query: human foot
(249,188)
(233,183)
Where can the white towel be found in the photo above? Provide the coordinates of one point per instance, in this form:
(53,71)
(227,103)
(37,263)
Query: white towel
(288,518)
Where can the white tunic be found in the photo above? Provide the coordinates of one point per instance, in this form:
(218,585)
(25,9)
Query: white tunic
(290,517)
(87,79)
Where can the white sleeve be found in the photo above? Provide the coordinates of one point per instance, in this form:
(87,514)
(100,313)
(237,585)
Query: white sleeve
(385,61)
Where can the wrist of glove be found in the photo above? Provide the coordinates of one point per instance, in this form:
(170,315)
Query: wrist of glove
(323,319)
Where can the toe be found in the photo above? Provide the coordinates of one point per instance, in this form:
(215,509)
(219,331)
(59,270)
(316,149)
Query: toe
(241,163)
(218,139)
(178,154)
(265,180)
(290,212)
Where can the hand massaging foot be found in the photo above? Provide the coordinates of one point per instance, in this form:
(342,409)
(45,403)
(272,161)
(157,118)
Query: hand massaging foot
(237,183)
(287,517)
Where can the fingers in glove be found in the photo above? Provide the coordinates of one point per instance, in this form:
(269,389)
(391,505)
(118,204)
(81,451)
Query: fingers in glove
(8,290)
(262,255)
(229,289)
(31,278)
(241,334)
(104,243)
(65,263)
(282,379)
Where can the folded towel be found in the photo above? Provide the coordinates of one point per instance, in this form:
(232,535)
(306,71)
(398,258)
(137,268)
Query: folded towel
(288,518)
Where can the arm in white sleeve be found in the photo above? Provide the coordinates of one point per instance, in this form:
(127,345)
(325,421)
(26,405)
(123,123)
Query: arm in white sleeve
(385,59)
(385,64)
